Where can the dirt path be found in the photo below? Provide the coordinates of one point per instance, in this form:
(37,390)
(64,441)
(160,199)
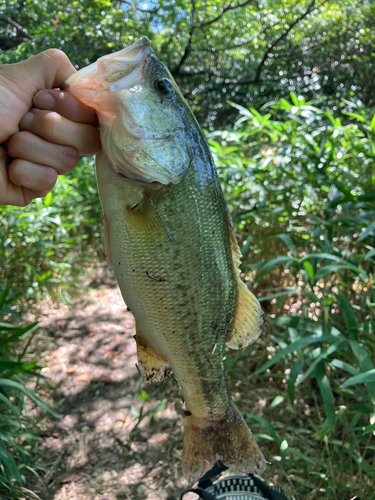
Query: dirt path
(97,451)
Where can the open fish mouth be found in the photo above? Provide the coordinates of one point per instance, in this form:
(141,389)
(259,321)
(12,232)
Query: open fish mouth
(118,71)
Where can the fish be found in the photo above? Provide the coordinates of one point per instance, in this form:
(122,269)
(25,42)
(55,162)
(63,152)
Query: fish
(169,238)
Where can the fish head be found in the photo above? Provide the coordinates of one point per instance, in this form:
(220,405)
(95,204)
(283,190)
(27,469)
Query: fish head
(144,119)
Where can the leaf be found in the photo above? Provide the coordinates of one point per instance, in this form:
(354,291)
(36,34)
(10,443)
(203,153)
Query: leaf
(295,346)
(288,242)
(18,333)
(348,315)
(309,269)
(327,396)
(369,229)
(8,461)
(274,262)
(322,255)
(277,401)
(365,364)
(360,378)
(321,357)
(47,199)
(284,445)
(294,372)
(362,464)
(369,255)
(11,384)
(346,367)
(323,271)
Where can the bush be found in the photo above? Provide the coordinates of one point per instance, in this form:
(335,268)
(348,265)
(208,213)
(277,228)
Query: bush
(47,245)
(44,248)
(300,182)
(18,431)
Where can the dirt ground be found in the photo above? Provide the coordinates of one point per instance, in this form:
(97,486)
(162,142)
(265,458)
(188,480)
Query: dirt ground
(101,449)
(113,441)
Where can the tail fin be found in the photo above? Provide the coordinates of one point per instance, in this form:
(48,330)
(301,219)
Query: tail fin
(228,439)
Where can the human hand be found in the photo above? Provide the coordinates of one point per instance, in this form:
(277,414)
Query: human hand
(38,143)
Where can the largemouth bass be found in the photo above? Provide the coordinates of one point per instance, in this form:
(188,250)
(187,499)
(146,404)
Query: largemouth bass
(171,243)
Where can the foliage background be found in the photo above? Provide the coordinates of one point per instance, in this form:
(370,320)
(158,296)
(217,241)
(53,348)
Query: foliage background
(286,92)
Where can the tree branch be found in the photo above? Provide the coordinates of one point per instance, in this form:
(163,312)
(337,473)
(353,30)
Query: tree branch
(187,50)
(18,27)
(224,11)
(270,48)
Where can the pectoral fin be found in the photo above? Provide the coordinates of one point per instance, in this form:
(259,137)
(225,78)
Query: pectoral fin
(153,367)
(248,320)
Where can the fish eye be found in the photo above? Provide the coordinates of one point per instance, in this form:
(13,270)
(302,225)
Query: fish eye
(163,86)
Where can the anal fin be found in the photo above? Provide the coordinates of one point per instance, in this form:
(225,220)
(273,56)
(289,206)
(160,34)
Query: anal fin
(248,320)
(153,366)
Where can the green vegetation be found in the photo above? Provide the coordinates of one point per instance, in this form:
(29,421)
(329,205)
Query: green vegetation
(301,187)
(299,179)
(247,51)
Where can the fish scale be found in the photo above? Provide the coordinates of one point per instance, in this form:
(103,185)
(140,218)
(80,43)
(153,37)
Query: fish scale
(167,305)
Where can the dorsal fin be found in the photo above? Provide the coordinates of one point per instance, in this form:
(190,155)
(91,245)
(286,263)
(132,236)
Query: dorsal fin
(248,319)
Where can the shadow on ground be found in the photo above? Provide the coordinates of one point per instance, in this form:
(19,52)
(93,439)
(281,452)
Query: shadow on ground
(101,449)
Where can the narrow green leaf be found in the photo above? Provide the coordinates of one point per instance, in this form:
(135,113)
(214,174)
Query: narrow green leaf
(294,372)
(337,363)
(370,228)
(323,255)
(362,464)
(274,262)
(9,463)
(288,242)
(309,269)
(18,333)
(323,271)
(326,393)
(360,378)
(295,346)
(369,255)
(348,314)
(10,384)
(365,365)
(322,356)
(9,405)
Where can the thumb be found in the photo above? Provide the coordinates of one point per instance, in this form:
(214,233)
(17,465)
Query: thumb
(46,70)
(21,81)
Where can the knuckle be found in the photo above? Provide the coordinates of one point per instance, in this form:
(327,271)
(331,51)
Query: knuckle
(16,171)
(56,54)
(51,124)
(17,144)
(49,178)
(69,159)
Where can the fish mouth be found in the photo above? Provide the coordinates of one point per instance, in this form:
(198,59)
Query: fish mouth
(120,70)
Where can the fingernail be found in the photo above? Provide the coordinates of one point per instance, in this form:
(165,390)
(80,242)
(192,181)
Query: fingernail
(44,100)
(26,121)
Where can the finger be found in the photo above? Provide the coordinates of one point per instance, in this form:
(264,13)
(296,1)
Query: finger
(30,147)
(12,194)
(46,70)
(26,174)
(66,105)
(55,128)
